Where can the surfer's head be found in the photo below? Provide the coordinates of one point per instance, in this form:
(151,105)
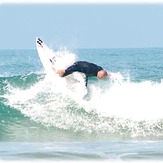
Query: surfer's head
(102,74)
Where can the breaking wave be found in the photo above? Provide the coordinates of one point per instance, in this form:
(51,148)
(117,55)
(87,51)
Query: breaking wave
(112,109)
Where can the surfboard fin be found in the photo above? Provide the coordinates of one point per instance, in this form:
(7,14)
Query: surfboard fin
(39,41)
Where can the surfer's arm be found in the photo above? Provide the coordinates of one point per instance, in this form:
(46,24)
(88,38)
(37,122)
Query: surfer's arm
(70,70)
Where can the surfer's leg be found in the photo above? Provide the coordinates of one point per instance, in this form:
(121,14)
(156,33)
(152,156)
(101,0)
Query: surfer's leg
(86,81)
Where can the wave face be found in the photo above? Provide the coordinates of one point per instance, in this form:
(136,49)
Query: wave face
(35,107)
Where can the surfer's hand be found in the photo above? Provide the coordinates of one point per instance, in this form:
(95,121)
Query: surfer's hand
(60,72)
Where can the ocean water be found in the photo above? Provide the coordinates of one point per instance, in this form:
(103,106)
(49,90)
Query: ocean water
(119,119)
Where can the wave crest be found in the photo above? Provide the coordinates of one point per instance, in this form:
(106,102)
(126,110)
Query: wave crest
(115,106)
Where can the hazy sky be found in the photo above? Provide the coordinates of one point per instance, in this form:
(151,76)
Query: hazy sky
(81,26)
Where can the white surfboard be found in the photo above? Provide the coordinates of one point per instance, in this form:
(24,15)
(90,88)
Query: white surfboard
(48,58)
(45,55)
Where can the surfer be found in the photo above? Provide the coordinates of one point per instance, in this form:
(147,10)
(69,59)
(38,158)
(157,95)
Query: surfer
(89,69)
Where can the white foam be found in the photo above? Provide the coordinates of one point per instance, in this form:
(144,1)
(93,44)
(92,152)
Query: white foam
(129,100)
(52,104)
